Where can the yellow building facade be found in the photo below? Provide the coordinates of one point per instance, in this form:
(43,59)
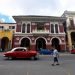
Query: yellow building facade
(6,35)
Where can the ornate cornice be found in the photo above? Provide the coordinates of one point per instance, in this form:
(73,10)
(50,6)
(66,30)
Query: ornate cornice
(39,18)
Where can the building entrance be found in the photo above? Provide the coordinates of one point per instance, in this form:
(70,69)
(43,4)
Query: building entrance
(5,44)
(55,43)
(73,39)
(40,43)
(25,42)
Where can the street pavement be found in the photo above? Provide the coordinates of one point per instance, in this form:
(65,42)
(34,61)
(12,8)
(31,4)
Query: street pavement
(38,67)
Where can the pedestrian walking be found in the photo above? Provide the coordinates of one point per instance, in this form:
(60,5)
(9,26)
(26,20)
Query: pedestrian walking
(55,57)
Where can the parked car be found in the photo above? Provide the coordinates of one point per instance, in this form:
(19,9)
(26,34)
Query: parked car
(21,52)
(72,51)
(46,51)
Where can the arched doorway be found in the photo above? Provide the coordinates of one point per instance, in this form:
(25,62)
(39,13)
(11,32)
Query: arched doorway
(73,39)
(5,44)
(40,43)
(55,43)
(25,42)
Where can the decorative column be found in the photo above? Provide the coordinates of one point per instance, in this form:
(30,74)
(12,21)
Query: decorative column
(9,45)
(69,40)
(0,42)
(32,45)
(0,46)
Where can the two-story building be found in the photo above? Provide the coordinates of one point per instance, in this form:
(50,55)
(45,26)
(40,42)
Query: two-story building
(70,29)
(35,32)
(6,35)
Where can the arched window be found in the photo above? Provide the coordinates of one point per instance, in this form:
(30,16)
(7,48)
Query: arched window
(71,22)
(56,28)
(23,28)
(28,28)
(52,28)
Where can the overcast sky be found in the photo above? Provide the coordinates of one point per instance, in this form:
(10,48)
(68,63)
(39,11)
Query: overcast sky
(36,7)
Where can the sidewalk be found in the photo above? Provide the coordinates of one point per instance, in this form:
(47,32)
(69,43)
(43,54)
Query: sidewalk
(65,53)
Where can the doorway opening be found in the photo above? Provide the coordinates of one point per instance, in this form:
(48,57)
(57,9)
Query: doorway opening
(25,42)
(5,44)
(55,43)
(40,43)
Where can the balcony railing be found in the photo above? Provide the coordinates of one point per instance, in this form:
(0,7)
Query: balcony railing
(40,31)
(71,27)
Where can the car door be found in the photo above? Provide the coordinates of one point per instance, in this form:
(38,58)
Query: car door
(18,53)
(26,54)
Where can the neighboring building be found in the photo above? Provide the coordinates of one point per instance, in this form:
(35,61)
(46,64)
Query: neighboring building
(37,32)
(6,35)
(70,29)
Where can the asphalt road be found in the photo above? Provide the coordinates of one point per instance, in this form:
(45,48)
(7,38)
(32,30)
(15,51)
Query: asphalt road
(38,67)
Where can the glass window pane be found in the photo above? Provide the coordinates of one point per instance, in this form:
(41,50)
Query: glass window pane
(56,28)
(23,28)
(28,28)
(52,28)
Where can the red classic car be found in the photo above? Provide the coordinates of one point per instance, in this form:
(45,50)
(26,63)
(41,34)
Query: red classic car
(72,51)
(21,52)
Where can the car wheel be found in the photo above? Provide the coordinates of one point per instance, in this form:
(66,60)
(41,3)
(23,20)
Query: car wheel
(36,57)
(33,58)
(10,58)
